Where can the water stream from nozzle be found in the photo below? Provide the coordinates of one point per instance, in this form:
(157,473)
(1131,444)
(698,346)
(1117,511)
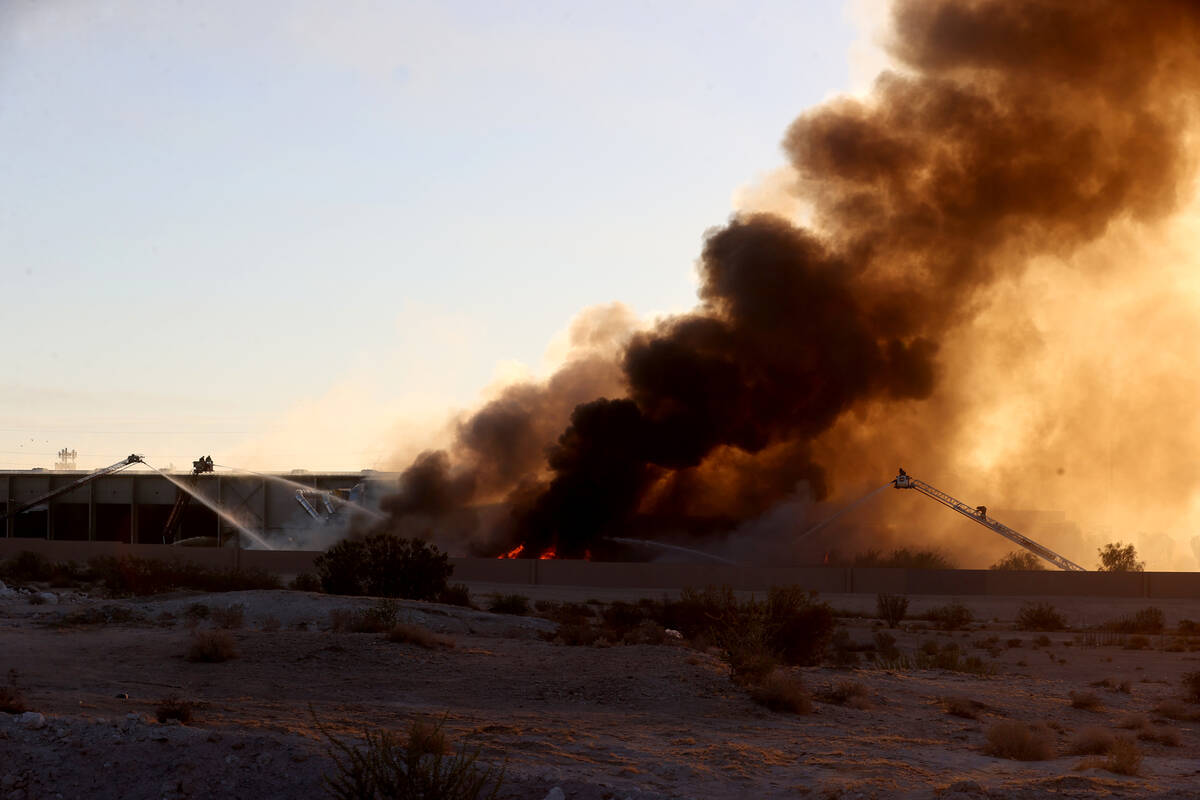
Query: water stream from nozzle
(843,510)
(213,507)
(379,515)
(675,547)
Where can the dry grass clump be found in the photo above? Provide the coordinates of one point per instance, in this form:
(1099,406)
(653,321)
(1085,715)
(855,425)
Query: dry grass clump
(406,633)
(1124,757)
(516,604)
(379,618)
(1091,741)
(174,707)
(1040,617)
(1173,709)
(1191,687)
(1125,687)
(847,693)
(1159,734)
(783,692)
(963,707)
(271,623)
(12,700)
(212,647)
(420,766)
(1020,741)
(1087,701)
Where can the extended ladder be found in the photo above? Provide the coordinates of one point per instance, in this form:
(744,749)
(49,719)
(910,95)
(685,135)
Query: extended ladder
(979,514)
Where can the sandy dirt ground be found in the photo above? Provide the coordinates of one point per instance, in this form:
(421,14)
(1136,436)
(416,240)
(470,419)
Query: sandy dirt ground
(626,721)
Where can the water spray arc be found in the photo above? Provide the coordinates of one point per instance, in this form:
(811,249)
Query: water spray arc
(673,547)
(327,497)
(213,507)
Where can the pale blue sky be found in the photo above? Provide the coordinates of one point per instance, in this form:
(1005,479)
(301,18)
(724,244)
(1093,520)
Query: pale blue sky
(292,234)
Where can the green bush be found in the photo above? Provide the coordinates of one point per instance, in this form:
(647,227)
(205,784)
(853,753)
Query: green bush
(384,565)
(418,768)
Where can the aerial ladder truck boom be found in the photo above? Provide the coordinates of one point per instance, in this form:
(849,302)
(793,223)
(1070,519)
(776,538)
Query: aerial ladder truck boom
(979,514)
(132,458)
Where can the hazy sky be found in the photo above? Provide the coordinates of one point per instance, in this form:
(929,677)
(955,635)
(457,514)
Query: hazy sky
(300,234)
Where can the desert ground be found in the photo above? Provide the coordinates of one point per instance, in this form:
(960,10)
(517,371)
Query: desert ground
(615,721)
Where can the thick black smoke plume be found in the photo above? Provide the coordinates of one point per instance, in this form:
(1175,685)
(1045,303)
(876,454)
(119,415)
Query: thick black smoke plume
(1015,128)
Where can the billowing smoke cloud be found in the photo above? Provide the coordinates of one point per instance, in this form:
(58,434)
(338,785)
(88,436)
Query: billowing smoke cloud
(1012,130)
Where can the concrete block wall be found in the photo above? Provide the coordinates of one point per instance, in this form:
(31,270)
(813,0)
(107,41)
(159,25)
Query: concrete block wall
(826,580)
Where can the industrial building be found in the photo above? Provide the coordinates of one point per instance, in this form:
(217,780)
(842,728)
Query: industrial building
(145,507)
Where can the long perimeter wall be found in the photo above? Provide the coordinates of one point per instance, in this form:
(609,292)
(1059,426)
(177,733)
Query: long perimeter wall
(828,580)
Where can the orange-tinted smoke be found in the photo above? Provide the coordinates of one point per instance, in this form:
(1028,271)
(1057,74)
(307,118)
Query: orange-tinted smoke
(1014,130)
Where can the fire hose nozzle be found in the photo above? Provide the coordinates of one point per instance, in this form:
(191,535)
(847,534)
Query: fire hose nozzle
(134,458)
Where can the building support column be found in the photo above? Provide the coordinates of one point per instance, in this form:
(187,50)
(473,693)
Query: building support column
(133,510)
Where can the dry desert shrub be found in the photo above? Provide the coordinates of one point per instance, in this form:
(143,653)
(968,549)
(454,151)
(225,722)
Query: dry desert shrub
(963,707)
(212,647)
(230,617)
(1159,734)
(405,633)
(517,604)
(1040,617)
(951,617)
(891,608)
(174,707)
(456,595)
(1090,741)
(305,582)
(1124,757)
(271,623)
(782,692)
(379,618)
(1147,620)
(1173,709)
(1125,687)
(1087,701)
(847,693)
(130,575)
(1191,687)
(12,700)
(421,766)
(1133,722)
(1020,741)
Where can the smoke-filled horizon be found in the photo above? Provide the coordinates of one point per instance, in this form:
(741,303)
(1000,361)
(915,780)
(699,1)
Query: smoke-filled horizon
(1012,139)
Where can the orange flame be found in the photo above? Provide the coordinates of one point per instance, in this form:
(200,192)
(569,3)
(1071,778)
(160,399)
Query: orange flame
(516,551)
(547,554)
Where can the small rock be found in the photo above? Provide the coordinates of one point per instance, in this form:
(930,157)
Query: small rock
(133,717)
(49,598)
(556,794)
(965,787)
(32,719)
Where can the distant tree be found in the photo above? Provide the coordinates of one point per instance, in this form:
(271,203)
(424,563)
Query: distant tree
(1018,560)
(1117,558)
